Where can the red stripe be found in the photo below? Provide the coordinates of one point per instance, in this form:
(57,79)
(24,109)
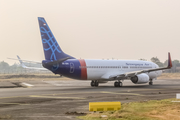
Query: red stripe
(83,69)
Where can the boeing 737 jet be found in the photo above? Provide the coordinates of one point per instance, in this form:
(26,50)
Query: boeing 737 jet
(97,71)
(34,68)
(26,67)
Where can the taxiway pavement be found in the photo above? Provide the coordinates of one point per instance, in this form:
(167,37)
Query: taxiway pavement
(66,99)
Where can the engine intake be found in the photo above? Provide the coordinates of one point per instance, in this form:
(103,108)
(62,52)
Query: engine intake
(140,79)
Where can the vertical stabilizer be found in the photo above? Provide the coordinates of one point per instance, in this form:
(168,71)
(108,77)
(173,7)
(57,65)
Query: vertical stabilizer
(21,62)
(52,50)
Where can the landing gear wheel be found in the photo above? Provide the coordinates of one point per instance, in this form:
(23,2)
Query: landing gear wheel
(150,83)
(120,84)
(96,83)
(92,84)
(116,84)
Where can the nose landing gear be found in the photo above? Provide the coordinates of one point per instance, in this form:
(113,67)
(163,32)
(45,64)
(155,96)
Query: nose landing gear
(150,82)
(94,83)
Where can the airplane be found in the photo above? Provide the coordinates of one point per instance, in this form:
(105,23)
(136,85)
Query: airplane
(26,67)
(97,71)
(33,68)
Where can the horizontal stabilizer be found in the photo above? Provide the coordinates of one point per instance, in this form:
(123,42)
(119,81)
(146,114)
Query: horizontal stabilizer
(55,62)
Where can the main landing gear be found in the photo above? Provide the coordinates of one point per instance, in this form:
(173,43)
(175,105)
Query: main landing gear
(150,82)
(118,84)
(95,83)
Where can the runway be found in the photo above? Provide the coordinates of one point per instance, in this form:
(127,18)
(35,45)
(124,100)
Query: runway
(66,99)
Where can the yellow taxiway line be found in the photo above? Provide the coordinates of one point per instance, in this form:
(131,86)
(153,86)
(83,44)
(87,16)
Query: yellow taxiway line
(38,96)
(12,97)
(13,104)
(122,93)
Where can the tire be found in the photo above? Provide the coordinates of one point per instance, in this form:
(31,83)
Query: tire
(96,83)
(115,84)
(120,84)
(92,84)
(150,83)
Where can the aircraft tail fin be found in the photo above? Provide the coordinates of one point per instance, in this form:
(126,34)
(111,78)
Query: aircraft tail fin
(52,50)
(21,62)
(169,61)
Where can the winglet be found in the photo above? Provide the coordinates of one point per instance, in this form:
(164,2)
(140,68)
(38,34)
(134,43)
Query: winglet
(169,61)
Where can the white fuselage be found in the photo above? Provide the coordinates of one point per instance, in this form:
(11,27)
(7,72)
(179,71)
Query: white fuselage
(100,69)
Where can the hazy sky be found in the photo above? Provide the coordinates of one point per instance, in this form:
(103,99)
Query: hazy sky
(92,29)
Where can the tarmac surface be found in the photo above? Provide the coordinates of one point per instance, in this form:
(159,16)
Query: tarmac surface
(67,99)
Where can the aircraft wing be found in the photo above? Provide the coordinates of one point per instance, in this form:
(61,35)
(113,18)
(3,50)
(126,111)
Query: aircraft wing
(25,60)
(33,68)
(134,73)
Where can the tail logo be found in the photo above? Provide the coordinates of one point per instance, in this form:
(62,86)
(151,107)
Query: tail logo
(55,67)
(49,42)
(71,68)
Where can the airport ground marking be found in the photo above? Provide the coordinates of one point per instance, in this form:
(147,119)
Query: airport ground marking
(143,89)
(49,96)
(122,93)
(53,95)
(12,97)
(97,92)
(90,92)
(26,84)
(38,96)
(71,93)
(13,104)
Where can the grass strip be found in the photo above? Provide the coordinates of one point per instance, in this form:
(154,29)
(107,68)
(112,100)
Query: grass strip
(143,110)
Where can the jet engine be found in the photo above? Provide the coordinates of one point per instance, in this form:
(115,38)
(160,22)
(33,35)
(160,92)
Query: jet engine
(140,79)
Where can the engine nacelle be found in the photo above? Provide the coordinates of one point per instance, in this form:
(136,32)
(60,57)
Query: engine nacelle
(140,79)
